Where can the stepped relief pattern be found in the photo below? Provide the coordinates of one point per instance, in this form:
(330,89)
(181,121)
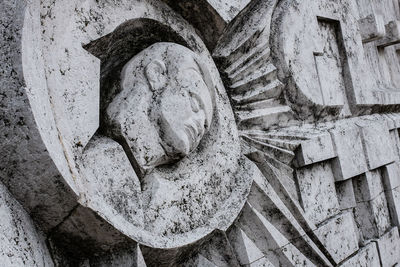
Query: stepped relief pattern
(307,169)
(199,133)
(251,76)
(256,90)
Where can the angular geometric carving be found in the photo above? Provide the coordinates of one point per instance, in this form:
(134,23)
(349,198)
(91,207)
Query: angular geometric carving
(381,53)
(391,182)
(246,251)
(377,151)
(345,193)
(329,62)
(366,256)
(392,36)
(135,154)
(210,17)
(312,56)
(351,160)
(389,248)
(372,27)
(339,235)
(317,192)
(246,62)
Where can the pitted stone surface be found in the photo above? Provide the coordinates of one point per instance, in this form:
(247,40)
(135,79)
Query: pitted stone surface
(21,244)
(389,247)
(378,151)
(351,160)
(199,133)
(339,236)
(317,191)
(367,256)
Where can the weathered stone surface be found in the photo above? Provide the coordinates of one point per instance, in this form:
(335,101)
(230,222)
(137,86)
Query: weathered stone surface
(32,157)
(393,199)
(199,133)
(367,256)
(21,244)
(389,247)
(122,257)
(315,150)
(351,160)
(387,76)
(368,186)
(372,27)
(372,217)
(247,251)
(317,191)
(339,236)
(323,77)
(391,176)
(170,127)
(394,135)
(264,262)
(345,194)
(375,138)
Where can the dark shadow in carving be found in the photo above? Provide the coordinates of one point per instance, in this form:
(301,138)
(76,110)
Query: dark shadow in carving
(118,47)
(115,49)
(203,17)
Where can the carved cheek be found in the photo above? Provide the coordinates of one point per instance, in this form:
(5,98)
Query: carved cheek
(199,121)
(175,112)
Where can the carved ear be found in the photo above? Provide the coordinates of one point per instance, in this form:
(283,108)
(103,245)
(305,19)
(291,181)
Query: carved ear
(156,74)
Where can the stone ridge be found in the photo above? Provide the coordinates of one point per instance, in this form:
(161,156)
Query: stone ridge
(200,133)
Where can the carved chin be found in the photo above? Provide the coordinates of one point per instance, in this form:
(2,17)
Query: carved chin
(176,143)
(182,144)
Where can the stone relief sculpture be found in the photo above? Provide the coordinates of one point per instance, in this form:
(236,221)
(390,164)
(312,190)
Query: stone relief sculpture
(165,106)
(162,125)
(199,133)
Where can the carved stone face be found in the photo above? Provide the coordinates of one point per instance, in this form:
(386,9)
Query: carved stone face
(184,110)
(165,106)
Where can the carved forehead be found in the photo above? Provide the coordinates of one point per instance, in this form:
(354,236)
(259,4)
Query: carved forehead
(174,56)
(176,59)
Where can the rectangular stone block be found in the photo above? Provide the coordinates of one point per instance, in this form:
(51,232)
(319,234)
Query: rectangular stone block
(372,217)
(317,149)
(372,27)
(345,194)
(394,135)
(351,160)
(389,248)
(392,36)
(339,236)
(377,143)
(330,74)
(367,256)
(395,118)
(317,191)
(393,199)
(391,123)
(391,176)
(368,186)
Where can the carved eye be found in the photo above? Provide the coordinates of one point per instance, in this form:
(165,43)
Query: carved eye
(195,103)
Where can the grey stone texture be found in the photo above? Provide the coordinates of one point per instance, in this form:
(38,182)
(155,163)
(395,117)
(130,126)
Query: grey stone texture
(200,133)
(21,243)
